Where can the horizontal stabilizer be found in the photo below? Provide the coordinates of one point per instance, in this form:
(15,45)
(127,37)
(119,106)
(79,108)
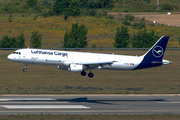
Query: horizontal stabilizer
(166,62)
(156,62)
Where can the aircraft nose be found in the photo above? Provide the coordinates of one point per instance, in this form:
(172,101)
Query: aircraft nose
(10,57)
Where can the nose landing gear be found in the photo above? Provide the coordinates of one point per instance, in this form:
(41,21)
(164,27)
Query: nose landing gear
(25,70)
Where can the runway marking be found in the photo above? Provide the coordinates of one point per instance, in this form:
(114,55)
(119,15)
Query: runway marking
(28,99)
(43,106)
(34,102)
(168,102)
(89,111)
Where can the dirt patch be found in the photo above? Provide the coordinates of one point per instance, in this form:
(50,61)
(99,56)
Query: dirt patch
(170,20)
(158,17)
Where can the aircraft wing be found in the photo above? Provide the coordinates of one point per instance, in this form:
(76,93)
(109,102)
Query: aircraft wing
(98,62)
(92,64)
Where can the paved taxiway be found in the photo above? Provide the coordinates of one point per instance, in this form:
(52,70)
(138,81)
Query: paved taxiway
(89,104)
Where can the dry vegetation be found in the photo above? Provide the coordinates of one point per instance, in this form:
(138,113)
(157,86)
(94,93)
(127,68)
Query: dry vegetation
(48,79)
(53,28)
(101,31)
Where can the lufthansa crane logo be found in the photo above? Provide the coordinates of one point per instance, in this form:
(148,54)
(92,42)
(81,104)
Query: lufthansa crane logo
(157,51)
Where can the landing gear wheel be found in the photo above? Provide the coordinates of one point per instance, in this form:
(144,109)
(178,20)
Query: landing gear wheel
(24,70)
(90,75)
(83,73)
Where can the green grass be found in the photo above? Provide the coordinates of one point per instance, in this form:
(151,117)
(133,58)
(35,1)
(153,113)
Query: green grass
(91,117)
(48,79)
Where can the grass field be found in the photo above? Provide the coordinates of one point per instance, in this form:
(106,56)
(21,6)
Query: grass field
(90,117)
(48,79)
(53,28)
(101,31)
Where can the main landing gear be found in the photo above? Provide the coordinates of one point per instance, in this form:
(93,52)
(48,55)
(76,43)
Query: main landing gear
(90,75)
(25,70)
(83,73)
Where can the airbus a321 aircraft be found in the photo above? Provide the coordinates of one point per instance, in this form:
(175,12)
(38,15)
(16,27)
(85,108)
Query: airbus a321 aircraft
(83,61)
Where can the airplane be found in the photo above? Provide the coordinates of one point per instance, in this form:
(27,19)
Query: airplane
(83,61)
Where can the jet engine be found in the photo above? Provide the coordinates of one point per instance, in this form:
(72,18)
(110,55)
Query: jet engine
(75,68)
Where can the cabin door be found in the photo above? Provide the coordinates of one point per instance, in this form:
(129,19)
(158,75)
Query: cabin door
(24,54)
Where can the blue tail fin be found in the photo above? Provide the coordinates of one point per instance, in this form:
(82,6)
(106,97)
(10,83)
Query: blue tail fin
(157,50)
(153,57)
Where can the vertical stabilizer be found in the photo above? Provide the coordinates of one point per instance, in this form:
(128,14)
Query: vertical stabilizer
(153,57)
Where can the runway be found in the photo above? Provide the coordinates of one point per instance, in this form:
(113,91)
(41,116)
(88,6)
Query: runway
(89,104)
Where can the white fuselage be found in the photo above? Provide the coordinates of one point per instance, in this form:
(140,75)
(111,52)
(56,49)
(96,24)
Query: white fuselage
(62,59)
(82,61)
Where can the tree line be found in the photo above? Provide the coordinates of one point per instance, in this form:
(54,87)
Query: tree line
(76,37)
(34,6)
(69,7)
(19,41)
(141,39)
(63,5)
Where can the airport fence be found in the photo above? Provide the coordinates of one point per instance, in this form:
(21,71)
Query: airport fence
(89,48)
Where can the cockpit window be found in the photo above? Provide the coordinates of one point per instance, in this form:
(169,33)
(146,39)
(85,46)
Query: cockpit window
(17,53)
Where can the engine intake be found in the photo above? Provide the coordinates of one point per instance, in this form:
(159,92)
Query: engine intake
(75,68)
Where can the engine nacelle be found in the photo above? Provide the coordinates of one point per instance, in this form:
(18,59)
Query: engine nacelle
(75,68)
